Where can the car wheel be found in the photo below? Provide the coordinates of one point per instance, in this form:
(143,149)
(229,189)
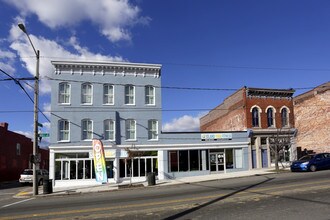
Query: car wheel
(312,168)
(40,182)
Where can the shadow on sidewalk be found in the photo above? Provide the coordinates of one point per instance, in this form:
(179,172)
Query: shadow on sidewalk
(186,212)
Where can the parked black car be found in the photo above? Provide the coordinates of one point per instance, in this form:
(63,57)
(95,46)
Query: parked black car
(312,162)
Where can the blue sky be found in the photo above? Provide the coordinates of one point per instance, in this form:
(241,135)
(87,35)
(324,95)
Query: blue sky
(201,44)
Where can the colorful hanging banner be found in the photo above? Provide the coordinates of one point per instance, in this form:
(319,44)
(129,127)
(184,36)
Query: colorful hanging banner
(99,162)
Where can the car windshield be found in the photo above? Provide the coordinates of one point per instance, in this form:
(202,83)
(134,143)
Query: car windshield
(307,157)
(28,172)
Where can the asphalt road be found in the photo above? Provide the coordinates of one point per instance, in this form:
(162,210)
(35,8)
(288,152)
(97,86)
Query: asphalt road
(274,196)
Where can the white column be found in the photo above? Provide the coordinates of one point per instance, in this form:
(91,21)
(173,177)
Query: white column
(162,164)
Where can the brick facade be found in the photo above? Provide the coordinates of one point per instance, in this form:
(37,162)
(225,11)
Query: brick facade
(312,119)
(235,114)
(15,150)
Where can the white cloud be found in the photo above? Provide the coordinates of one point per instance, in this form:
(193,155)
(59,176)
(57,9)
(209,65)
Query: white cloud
(7,59)
(25,133)
(185,123)
(46,109)
(113,17)
(50,49)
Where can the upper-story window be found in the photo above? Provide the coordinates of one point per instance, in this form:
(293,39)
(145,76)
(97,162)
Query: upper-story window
(130,129)
(285,117)
(129,95)
(63,130)
(255,116)
(87,129)
(270,117)
(18,149)
(108,94)
(86,93)
(153,130)
(64,93)
(150,95)
(109,130)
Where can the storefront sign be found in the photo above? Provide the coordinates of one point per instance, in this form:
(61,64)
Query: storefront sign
(99,162)
(216,136)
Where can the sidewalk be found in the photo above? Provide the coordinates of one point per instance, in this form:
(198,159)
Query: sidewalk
(125,185)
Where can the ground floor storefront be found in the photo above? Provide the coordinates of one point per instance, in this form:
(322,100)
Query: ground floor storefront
(76,166)
(181,155)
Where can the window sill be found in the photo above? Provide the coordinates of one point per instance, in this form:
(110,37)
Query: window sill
(64,103)
(64,141)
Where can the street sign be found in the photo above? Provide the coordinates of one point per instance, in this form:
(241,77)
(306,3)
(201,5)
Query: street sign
(44,135)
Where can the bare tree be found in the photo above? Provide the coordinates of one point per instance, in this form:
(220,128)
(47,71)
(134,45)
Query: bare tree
(278,142)
(132,152)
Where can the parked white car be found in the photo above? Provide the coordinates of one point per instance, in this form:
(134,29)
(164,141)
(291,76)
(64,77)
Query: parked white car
(27,176)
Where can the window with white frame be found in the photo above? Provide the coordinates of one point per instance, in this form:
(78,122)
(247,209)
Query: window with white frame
(255,117)
(285,117)
(129,95)
(109,130)
(150,95)
(64,93)
(270,117)
(86,93)
(153,129)
(108,94)
(87,129)
(63,130)
(130,129)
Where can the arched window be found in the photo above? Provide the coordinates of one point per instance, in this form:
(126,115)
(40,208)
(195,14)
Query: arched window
(285,117)
(109,129)
(64,93)
(255,117)
(270,117)
(86,93)
(87,129)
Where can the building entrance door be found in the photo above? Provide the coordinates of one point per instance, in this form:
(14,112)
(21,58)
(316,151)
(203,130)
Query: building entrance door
(217,162)
(109,168)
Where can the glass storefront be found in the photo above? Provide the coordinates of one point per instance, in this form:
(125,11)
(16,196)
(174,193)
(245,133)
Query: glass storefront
(73,166)
(188,160)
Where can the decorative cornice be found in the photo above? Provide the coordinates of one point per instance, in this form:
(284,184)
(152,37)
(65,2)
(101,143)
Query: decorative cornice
(103,68)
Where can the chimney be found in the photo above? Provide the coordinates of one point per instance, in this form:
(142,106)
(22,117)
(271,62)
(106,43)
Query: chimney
(4,125)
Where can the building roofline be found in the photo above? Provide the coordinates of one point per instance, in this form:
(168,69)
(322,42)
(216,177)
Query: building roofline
(320,88)
(110,63)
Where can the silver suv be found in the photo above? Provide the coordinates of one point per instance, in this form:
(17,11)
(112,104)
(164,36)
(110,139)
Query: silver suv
(27,176)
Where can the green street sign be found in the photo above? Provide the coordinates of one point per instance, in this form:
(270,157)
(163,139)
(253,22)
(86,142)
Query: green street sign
(44,135)
(40,125)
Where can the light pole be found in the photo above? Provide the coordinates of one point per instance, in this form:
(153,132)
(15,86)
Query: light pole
(36,104)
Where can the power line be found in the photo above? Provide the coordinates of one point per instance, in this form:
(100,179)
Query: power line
(20,85)
(169,87)
(205,65)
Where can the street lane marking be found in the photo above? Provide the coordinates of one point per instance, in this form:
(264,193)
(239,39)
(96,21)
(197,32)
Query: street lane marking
(242,194)
(15,203)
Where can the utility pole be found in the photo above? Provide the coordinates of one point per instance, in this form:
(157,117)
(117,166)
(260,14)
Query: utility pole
(36,107)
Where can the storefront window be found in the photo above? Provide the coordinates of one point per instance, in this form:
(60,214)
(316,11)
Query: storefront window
(229,159)
(188,160)
(136,167)
(140,166)
(194,156)
(173,156)
(73,166)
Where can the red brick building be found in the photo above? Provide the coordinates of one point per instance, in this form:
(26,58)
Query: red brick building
(15,151)
(312,119)
(266,112)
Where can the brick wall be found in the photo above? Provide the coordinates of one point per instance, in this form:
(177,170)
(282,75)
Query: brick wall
(12,162)
(312,120)
(263,103)
(227,116)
